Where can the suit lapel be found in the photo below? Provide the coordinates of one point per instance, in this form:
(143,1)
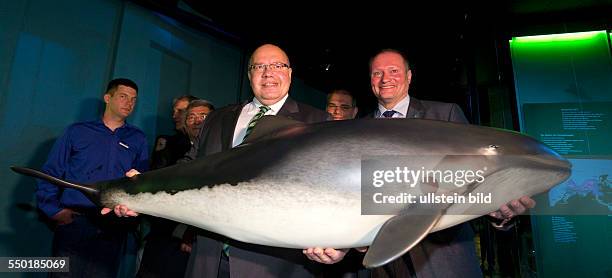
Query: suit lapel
(229,125)
(289,109)
(415,109)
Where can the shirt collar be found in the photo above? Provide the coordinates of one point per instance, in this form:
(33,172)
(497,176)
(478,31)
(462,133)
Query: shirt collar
(401,108)
(274,107)
(101,123)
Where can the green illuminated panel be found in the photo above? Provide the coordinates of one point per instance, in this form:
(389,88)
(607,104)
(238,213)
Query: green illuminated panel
(572,67)
(585,42)
(568,37)
(556,76)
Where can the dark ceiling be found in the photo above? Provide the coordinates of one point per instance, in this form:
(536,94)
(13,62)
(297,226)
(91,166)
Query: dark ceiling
(329,47)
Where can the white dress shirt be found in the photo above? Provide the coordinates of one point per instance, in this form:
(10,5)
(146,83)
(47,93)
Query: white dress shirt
(401,109)
(248,112)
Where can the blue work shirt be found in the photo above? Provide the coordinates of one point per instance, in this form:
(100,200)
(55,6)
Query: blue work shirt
(86,153)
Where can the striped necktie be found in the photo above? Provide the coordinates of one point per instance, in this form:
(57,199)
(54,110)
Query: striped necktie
(389,113)
(262,111)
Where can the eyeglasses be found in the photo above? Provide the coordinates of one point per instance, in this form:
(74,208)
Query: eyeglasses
(270,67)
(344,107)
(192,117)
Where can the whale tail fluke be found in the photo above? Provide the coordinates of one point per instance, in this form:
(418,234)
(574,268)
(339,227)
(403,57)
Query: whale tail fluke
(89,190)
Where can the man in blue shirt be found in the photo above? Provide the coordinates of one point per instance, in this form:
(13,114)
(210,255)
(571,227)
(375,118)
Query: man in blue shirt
(86,153)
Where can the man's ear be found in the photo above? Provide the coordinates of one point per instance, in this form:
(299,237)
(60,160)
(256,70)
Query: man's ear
(107,98)
(355,112)
(409,76)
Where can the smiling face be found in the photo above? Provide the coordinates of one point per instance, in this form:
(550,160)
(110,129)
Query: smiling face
(389,78)
(269,84)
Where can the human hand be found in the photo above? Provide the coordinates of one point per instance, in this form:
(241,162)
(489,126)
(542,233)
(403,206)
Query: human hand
(120,210)
(512,209)
(63,217)
(131,173)
(325,255)
(186,247)
(188,239)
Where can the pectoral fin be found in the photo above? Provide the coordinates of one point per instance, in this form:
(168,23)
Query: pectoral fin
(398,235)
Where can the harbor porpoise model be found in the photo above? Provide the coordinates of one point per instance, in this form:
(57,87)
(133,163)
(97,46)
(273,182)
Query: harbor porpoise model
(299,185)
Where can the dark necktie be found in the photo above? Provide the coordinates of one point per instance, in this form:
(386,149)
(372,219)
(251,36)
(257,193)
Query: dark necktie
(389,113)
(262,111)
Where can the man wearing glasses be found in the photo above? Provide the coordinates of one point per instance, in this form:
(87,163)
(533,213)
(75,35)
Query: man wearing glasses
(341,105)
(270,77)
(214,255)
(196,114)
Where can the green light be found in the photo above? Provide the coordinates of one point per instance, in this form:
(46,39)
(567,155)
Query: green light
(568,37)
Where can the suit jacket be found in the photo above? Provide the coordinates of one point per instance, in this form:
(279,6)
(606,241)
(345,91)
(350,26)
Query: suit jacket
(246,260)
(447,253)
(176,147)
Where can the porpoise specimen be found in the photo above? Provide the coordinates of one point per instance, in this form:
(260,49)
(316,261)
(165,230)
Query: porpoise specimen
(299,185)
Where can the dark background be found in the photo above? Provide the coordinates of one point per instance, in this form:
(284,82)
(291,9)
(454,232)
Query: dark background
(458,50)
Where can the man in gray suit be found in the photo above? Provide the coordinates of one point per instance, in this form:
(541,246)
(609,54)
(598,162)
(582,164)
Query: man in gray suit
(450,252)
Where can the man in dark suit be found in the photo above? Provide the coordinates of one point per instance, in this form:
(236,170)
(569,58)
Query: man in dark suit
(450,252)
(214,255)
(270,77)
(168,149)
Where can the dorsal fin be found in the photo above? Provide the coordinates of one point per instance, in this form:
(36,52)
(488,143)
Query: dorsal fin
(270,125)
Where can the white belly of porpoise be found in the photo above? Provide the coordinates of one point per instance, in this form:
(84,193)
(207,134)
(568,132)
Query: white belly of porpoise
(279,215)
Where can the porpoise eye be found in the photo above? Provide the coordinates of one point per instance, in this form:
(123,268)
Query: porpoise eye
(490,150)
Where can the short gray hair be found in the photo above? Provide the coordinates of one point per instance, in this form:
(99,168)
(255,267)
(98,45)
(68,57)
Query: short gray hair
(200,102)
